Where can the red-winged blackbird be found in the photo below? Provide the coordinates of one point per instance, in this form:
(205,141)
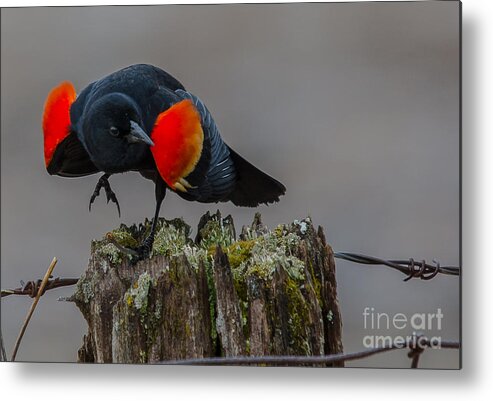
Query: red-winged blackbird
(142,119)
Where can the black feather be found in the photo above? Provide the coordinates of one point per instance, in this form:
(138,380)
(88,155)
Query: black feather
(71,159)
(253,186)
(215,175)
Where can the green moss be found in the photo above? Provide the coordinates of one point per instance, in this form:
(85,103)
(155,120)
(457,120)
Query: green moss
(239,252)
(261,257)
(105,248)
(124,237)
(280,231)
(188,330)
(171,238)
(151,322)
(143,356)
(216,233)
(317,286)
(298,317)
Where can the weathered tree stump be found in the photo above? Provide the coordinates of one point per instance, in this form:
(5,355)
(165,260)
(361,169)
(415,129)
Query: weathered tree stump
(267,293)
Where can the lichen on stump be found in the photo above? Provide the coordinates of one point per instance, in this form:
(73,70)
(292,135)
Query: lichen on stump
(265,293)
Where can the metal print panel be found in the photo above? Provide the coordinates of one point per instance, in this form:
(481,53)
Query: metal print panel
(236,184)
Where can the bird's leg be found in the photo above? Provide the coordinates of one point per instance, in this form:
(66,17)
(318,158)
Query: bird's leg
(110,195)
(143,251)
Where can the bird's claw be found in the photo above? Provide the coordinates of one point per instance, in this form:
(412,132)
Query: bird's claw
(137,254)
(110,195)
(96,192)
(144,250)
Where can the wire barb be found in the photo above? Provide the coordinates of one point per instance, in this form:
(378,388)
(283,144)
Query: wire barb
(420,270)
(412,269)
(32,287)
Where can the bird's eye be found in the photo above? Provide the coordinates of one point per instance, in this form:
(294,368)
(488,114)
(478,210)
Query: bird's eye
(114,131)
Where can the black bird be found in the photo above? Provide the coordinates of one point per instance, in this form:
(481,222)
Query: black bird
(142,119)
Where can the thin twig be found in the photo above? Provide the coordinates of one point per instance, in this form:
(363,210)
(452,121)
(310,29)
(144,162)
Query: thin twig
(33,306)
(3,355)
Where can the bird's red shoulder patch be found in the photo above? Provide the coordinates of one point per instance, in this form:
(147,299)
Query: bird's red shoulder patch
(56,117)
(178,140)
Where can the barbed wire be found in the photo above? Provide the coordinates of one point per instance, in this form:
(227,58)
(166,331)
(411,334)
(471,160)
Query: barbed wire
(410,267)
(31,288)
(416,345)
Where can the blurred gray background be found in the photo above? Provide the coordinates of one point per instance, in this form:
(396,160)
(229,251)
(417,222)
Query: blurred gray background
(354,107)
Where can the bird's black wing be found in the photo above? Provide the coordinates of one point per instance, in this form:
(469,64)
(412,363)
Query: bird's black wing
(222,174)
(214,176)
(71,159)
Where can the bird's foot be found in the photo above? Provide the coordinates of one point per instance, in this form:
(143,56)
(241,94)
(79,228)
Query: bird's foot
(137,254)
(110,195)
(144,250)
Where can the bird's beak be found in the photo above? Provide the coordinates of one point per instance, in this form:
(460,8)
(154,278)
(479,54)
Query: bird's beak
(137,134)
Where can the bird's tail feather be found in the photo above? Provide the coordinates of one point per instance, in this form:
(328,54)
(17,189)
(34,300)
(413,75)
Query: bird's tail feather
(253,186)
